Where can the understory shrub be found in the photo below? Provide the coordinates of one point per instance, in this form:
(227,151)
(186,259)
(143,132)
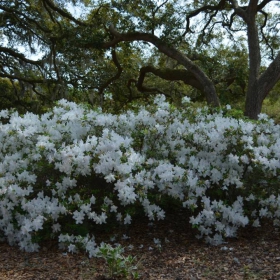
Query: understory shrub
(73,169)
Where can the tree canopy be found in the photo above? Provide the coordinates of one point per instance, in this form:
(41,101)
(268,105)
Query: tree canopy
(86,49)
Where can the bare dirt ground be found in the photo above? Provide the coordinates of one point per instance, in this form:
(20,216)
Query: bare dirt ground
(254,254)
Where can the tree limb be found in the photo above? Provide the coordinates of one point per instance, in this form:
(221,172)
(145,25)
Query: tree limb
(18,56)
(208,86)
(168,74)
(64,13)
(263,4)
(205,8)
(241,11)
(110,80)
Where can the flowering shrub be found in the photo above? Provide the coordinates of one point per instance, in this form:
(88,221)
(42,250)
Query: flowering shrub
(75,167)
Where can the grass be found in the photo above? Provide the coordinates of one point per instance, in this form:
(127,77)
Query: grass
(271,107)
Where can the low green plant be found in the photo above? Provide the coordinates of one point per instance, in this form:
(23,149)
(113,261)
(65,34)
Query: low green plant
(118,264)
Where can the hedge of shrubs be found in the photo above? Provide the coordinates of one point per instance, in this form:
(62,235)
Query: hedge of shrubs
(73,168)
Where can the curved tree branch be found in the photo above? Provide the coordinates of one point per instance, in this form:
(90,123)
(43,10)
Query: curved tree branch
(64,13)
(174,75)
(110,80)
(208,86)
(206,8)
(264,36)
(170,75)
(263,4)
(240,11)
(18,56)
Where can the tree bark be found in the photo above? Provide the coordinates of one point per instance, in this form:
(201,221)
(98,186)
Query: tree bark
(259,91)
(253,102)
(258,85)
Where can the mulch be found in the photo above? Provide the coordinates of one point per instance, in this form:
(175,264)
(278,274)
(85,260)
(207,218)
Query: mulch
(254,254)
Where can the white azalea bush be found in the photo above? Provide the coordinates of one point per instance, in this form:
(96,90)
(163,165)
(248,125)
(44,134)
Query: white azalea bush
(73,169)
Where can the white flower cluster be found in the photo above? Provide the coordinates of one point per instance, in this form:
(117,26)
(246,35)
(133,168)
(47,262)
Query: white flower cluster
(74,166)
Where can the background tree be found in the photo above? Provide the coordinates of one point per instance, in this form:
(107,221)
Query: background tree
(32,34)
(218,50)
(249,16)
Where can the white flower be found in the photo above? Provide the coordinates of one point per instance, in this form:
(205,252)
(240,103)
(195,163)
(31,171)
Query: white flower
(85,208)
(56,227)
(250,197)
(77,198)
(72,248)
(186,99)
(161,214)
(127,219)
(130,247)
(160,98)
(263,212)
(225,248)
(92,199)
(157,241)
(125,237)
(38,223)
(119,217)
(79,216)
(27,227)
(92,215)
(103,217)
(256,223)
(110,178)
(113,238)
(263,116)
